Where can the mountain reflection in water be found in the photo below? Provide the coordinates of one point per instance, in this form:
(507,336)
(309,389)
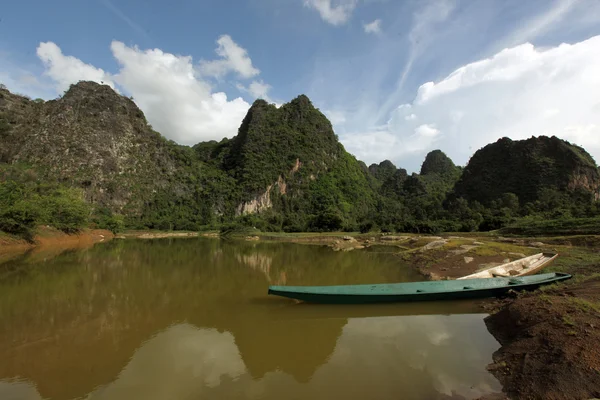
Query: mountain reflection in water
(188,319)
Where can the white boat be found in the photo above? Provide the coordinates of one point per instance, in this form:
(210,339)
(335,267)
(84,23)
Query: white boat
(524,266)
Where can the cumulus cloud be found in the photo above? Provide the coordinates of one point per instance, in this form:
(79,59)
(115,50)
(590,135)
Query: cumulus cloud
(257,89)
(65,70)
(373,27)
(335,12)
(519,92)
(234,58)
(177,102)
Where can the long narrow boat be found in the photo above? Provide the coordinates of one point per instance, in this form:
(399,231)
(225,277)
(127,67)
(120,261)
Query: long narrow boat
(522,267)
(415,291)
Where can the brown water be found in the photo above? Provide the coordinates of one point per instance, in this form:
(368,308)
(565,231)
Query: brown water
(190,319)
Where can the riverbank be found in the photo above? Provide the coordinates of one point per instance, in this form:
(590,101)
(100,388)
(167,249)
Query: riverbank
(550,338)
(46,237)
(161,234)
(550,343)
(550,332)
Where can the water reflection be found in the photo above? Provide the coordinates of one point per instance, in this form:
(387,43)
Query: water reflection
(176,363)
(181,319)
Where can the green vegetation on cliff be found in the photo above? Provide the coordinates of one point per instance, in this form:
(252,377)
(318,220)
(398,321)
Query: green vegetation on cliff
(26,201)
(529,169)
(94,160)
(290,169)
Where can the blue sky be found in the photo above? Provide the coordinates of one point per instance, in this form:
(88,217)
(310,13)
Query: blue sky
(396,78)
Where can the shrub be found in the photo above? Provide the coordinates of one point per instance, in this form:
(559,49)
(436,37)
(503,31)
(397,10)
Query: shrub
(20,219)
(366,227)
(65,209)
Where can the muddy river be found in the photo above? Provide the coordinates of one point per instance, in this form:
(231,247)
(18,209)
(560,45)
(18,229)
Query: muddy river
(191,319)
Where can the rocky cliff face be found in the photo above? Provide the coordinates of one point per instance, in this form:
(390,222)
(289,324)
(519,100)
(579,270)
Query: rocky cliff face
(526,168)
(285,152)
(95,139)
(262,202)
(291,142)
(92,138)
(285,162)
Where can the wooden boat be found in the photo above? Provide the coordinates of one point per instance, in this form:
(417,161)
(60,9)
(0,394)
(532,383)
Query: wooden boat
(525,266)
(415,291)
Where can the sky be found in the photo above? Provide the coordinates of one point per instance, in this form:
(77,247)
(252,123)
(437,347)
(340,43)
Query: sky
(397,79)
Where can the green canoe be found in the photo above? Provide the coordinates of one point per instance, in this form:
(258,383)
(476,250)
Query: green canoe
(415,291)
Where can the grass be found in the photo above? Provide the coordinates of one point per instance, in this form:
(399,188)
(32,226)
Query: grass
(546,298)
(574,240)
(584,305)
(568,321)
(454,244)
(577,261)
(554,227)
(143,231)
(310,234)
(585,278)
(491,249)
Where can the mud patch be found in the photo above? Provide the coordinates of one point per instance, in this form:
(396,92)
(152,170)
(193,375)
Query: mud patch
(52,237)
(550,343)
(49,238)
(455,266)
(460,257)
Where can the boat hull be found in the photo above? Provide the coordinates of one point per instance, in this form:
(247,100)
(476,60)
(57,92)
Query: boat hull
(415,291)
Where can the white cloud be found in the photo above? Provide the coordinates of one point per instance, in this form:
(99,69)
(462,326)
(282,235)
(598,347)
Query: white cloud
(177,103)
(257,89)
(427,131)
(165,86)
(373,146)
(519,92)
(65,70)
(425,19)
(335,12)
(373,27)
(233,59)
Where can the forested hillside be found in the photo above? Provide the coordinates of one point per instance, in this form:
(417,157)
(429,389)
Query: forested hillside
(90,158)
